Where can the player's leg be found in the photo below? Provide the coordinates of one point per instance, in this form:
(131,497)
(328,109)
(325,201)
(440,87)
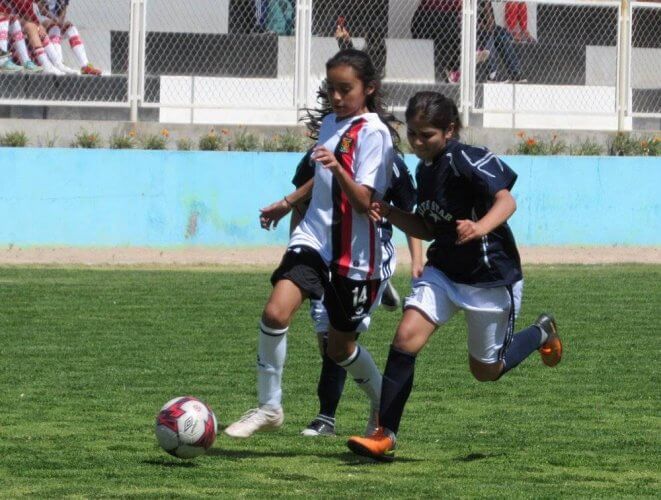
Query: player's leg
(20,46)
(6,64)
(331,379)
(78,48)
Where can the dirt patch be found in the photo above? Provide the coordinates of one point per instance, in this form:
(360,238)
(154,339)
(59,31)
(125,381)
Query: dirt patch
(270,256)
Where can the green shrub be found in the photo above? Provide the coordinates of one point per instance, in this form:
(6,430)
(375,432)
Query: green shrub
(86,140)
(586,148)
(123,141)
(155,141)
(184,144)
(14,139)
(245,141)
(211,141)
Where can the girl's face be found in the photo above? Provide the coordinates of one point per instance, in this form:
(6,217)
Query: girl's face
(346,91)
(427,140)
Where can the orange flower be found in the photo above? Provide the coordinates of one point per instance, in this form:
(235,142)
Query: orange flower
(644,144)
(224,131)
(165,133)
(132,133)
(521,134)
(531,141)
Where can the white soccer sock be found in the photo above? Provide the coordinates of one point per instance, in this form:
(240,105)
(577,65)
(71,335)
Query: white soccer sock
(18,42)
(50,50)
(363,370)
(55,35)
(77,46)
(271,354)
(4,34)
(42,58)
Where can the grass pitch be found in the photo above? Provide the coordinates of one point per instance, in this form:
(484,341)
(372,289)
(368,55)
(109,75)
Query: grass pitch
(89,356)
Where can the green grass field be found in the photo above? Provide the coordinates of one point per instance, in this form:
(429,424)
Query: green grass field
(89,356)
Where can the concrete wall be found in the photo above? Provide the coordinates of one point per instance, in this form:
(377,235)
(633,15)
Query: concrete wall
(104,198)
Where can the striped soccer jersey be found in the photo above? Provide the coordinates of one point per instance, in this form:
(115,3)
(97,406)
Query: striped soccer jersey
(348,241)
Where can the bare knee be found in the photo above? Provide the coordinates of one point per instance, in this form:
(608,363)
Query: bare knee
(275,316)
(485,372)
(405,337)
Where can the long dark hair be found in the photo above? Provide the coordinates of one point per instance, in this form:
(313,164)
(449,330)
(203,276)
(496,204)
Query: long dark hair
(368,75)
(435,108)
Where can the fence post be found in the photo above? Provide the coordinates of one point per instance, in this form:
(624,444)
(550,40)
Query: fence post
(136,65)
(302,53)
(467,59)
(624,122)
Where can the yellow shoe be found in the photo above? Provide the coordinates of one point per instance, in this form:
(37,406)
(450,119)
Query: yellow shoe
(551,350)
(378,446)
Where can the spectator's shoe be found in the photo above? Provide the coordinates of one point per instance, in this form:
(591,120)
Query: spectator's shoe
(31,67)
(390,300)
(380,445)
(90,70)
(493,77)
(454,76)
(320,426)
(372,421)
(66,69)
(518,79)
(8,66)
(551,350)
(52,70)
(481,56)
(263,418)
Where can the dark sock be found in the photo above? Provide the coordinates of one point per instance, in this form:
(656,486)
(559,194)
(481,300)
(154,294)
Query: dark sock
(331,385)
(396,387)
(523,344)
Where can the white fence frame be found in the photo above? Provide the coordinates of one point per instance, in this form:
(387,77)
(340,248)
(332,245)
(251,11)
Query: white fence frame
(631,6)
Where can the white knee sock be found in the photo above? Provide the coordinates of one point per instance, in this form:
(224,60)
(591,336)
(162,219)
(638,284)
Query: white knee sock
(271,354)
(18,41)
(55,35)
(77,46)
(4,33)
(362,368)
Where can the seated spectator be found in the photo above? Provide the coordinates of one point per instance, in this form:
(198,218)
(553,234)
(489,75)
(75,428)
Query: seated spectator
(516,18)
(440,20)
(6,64)
(53,18)
(24,18)
(498,41)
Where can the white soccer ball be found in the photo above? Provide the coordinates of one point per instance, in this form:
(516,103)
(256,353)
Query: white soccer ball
(186,427)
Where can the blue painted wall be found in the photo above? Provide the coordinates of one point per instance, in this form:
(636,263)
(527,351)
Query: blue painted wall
(73,197)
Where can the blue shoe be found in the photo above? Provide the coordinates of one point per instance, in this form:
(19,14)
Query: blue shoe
(30,67)
(9,67)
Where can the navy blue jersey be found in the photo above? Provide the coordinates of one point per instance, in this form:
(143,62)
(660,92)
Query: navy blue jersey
(401,192)
(461,184)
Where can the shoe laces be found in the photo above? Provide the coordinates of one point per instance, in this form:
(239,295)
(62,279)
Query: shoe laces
(249,415)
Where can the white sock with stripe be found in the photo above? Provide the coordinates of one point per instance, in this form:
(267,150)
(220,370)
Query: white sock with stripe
(77,46)
(18,42)
(363,370)
(4,33)
(271,354)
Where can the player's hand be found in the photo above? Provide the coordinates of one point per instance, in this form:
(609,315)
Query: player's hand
(416,269)
(326,158)
(468,230)
(378,210)
(271,215)
(342,34)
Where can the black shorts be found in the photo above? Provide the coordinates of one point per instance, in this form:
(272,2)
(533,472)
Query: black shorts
(305,267)
(349,302)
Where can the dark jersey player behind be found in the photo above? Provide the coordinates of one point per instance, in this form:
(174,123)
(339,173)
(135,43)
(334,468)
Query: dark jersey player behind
(473,265)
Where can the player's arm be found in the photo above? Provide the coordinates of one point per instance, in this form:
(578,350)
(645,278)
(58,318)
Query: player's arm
(270,216)
(411,223)
(360,196)
(503,208)
(415,249)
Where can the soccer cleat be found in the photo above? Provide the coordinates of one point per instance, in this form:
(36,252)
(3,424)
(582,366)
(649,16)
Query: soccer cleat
(551,350)
(320,426)
(380,445)
(90,70)
(8,66)
(390,298)
(255,420)
(372,421)
(31,67)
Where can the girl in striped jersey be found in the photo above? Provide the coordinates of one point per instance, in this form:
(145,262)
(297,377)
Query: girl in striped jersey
(335,253)
(473,265)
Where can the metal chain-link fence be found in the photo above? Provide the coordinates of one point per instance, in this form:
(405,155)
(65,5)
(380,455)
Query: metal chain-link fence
(94,32)
(645,59)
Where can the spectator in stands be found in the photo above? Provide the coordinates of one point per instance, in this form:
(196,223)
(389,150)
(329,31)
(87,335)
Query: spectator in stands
(440,20)
(53,17)
(281,16)
(24,18)
(365,18)
(6,64)
(498,41)
(516,18)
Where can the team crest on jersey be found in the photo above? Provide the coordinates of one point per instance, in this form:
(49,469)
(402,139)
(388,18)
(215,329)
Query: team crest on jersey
(345,145)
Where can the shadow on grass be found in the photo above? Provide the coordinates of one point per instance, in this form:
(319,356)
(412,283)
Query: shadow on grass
(164,462)
(471,457)
(353,460)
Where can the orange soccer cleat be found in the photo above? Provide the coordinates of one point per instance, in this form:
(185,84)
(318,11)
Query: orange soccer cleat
(380,445)
(551,350)
(90,70)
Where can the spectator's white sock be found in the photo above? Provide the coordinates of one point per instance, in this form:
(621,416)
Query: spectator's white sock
(42,58)
(50,50)
(4,33)
(55,35)
(362,368)
(271,354)
(77,46)
(18,41)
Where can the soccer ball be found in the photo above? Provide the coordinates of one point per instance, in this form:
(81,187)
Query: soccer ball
(186,427)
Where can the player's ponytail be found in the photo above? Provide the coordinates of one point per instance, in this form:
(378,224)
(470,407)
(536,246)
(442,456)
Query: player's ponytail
(435,108)
(368,75)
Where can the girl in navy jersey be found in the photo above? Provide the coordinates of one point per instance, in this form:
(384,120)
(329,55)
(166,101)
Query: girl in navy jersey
(473,265)
(335,253)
